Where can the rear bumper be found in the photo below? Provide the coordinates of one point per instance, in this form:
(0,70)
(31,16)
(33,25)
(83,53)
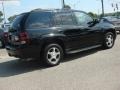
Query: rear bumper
(22,52)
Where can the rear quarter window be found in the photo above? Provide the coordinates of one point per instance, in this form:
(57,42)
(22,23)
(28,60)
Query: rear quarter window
(17,21)
(1,31)
(38,20)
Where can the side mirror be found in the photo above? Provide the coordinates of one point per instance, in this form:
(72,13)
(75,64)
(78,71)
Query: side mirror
(96,21)
(92,23)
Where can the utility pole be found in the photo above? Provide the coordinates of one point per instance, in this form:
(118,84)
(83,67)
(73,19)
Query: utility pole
(3,12)
(3,8)
(63,4)
(102,8)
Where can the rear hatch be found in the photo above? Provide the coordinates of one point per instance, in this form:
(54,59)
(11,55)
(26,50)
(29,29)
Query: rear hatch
(16,34)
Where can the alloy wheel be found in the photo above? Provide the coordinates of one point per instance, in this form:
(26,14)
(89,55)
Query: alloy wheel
(109,40)
(53,55)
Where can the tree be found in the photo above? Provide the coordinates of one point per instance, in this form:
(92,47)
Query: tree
(10,19)
(67,7)
(93,15)
(1,16)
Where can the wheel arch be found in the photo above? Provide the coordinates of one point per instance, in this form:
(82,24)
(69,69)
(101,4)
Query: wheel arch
(55,40)
(113,31)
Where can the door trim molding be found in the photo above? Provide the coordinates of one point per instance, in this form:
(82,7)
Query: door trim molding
(84,49)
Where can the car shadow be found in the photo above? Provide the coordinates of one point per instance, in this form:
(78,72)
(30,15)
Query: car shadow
(17,67)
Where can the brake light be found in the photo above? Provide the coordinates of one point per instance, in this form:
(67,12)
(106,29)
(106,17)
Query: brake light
(24,39)
(6,35)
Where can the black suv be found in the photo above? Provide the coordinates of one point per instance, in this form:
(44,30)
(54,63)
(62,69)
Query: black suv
(50,34)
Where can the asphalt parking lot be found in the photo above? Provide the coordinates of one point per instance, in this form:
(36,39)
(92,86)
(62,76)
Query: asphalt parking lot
(91,70)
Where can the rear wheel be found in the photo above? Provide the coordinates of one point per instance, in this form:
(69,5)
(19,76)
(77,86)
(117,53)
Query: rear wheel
(53,54)
(108,40)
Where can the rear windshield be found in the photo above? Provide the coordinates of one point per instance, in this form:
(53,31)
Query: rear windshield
(38,20)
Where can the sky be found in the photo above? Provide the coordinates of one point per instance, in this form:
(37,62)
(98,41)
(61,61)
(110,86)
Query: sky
(17,7)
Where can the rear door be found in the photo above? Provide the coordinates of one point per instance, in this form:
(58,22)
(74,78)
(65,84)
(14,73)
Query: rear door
(66,21)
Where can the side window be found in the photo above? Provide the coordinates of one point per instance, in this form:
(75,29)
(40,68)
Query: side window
(38,19)
(83,18)
(64,19)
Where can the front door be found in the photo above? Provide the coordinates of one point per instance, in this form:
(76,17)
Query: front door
(89,35)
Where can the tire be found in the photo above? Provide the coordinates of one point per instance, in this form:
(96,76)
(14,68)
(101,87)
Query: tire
(1,44)
(52,55)
(108,40)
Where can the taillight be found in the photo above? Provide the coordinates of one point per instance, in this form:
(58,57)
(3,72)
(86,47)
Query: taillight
(24,39)
(6,37)
(5,34)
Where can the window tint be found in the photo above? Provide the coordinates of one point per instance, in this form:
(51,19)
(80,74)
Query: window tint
(1,31)
(17,21)
(83,18)
(64,19)
(39,19)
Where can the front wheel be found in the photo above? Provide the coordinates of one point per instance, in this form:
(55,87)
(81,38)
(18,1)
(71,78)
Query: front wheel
(108,40)
(53,54)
